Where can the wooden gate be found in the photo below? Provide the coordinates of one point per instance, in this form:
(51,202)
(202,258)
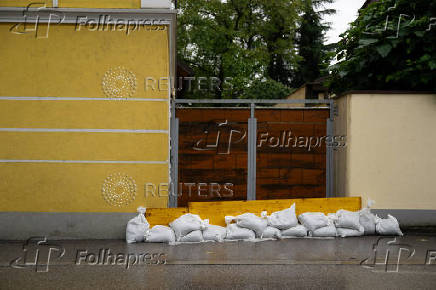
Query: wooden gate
(212,154)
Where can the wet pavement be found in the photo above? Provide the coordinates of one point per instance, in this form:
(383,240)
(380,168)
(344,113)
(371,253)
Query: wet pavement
(350,263)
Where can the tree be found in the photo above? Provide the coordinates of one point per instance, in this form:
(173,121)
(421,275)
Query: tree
(314,55)
(391,46)
(250,42)
(267,89)
(278,30)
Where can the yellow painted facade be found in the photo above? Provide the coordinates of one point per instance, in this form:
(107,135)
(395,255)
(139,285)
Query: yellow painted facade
(71,63)
(34,187)
(83,146)
(23,3)
(52,85)
(135,4)
(100,4)
(85,114)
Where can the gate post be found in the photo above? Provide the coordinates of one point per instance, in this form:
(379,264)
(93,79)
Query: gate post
(329,153)
(174,164)
(252,138)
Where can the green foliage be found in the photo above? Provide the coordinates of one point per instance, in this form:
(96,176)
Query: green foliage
(314,55)
(267,89)
(246,40)
(391,46)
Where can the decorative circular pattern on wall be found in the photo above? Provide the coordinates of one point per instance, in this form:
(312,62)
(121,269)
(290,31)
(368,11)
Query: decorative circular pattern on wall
(119,189)
(119,83)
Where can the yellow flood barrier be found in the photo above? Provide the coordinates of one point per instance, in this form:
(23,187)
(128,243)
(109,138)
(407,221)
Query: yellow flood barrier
(216,211)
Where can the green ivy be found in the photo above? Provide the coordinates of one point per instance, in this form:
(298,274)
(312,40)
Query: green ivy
(391,46)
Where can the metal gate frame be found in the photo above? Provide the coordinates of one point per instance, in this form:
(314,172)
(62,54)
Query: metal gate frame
(252,137)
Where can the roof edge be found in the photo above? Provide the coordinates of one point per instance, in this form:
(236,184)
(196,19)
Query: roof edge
(383,92)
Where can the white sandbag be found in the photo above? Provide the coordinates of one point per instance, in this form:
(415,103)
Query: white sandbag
(235,232)
(367,219)
(187,223)
(298,231)
(343,232)
(251,221)
(137,227)
(160,234)
(327,231)
(284,219)
(332,217)
(313,220)
(271,233)
(388,227)
(214,233)
(348,220)
(193,237)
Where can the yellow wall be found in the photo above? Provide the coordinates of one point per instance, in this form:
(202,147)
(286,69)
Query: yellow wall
(72,63)
(100,3)
(390,156)
(65,66)
(33,187)
(76,3)
(23,3)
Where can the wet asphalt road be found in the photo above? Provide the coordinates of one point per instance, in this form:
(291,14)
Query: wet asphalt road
(353,263)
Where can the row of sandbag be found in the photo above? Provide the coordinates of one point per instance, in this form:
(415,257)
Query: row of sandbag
(190,228)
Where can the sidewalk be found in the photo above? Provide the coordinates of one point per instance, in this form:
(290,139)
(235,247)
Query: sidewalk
(326,263)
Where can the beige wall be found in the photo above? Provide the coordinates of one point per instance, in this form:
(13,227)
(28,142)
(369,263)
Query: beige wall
(390,154)
(299,94)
